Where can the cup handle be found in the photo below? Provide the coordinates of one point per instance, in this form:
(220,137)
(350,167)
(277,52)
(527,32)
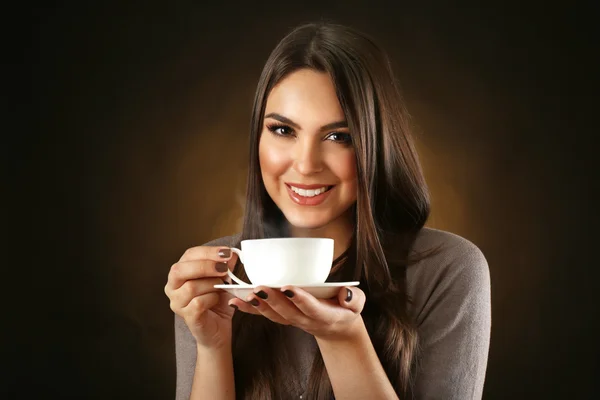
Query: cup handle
(231,275)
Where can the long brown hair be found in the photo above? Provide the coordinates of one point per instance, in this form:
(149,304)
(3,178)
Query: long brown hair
(392,206)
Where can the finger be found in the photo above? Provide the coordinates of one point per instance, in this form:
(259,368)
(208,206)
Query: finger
(195,269)
(261,301)
(199,304)
(241,305)
(214,253)
(306,304)
(352,299)
(181,297)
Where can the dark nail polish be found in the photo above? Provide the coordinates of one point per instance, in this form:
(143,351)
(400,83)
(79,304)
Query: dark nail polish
(348,295)
(254,302)
(221,267)
(233,306)
(224,253)
(289,293)
(262,295)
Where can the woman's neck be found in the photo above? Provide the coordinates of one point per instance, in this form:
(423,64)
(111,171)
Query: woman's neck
(340,230)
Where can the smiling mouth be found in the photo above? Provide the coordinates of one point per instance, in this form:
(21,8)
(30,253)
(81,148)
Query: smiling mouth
(310,192)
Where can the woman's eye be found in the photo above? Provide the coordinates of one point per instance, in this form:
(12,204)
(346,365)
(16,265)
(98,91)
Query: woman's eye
(340,137)
(280,130)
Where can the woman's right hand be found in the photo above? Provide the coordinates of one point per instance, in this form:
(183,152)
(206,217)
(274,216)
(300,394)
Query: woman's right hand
(190,287)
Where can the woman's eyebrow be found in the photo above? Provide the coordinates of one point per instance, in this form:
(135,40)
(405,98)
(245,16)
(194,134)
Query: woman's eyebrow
(285,120)
(334,125)
(282,119)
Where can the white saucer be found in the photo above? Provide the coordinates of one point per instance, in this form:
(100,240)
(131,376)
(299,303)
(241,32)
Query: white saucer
(325,290)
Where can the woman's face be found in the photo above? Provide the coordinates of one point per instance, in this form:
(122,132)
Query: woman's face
(306,155)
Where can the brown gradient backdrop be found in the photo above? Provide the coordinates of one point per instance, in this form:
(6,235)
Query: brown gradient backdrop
(138,149)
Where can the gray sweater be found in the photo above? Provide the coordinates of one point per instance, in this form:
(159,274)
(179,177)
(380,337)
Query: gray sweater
(450,294)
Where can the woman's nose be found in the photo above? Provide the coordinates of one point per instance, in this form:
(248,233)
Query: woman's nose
(307,157)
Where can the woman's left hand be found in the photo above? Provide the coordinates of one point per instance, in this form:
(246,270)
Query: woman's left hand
(333,319)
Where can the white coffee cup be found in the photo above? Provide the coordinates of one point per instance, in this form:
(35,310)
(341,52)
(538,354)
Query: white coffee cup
(285,261)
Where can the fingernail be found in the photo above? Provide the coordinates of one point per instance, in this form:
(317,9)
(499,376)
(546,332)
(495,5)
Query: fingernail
(233,306)
(262,295)
(348,295)
(289,293)
(224,253)
(221,267)
(254,302)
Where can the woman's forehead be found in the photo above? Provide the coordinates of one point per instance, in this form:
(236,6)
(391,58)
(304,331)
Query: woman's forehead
(305,96)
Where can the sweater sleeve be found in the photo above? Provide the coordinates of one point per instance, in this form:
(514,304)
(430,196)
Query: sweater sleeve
(185,359)
(454,325)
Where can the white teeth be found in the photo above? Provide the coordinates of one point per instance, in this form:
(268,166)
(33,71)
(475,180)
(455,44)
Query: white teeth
(309,192)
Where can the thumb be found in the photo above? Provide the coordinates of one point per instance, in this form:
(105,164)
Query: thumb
(231,266)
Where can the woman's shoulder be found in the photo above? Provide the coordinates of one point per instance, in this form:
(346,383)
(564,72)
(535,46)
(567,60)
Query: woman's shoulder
(228,241)
(446,260)
(445,245)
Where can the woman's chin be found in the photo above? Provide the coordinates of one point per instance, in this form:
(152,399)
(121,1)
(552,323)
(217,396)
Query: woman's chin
(305,222)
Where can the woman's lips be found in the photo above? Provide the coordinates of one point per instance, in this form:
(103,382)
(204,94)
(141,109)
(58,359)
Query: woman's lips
(308,201)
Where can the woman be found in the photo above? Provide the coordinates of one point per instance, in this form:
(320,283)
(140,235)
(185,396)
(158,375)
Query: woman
(328,115)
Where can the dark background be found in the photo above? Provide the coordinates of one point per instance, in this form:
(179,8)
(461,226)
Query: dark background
(132,147)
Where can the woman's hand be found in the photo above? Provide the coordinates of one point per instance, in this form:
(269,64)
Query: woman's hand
(331,319)
(193,297)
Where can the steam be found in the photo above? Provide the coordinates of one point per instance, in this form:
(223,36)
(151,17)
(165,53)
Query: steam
(240,199)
